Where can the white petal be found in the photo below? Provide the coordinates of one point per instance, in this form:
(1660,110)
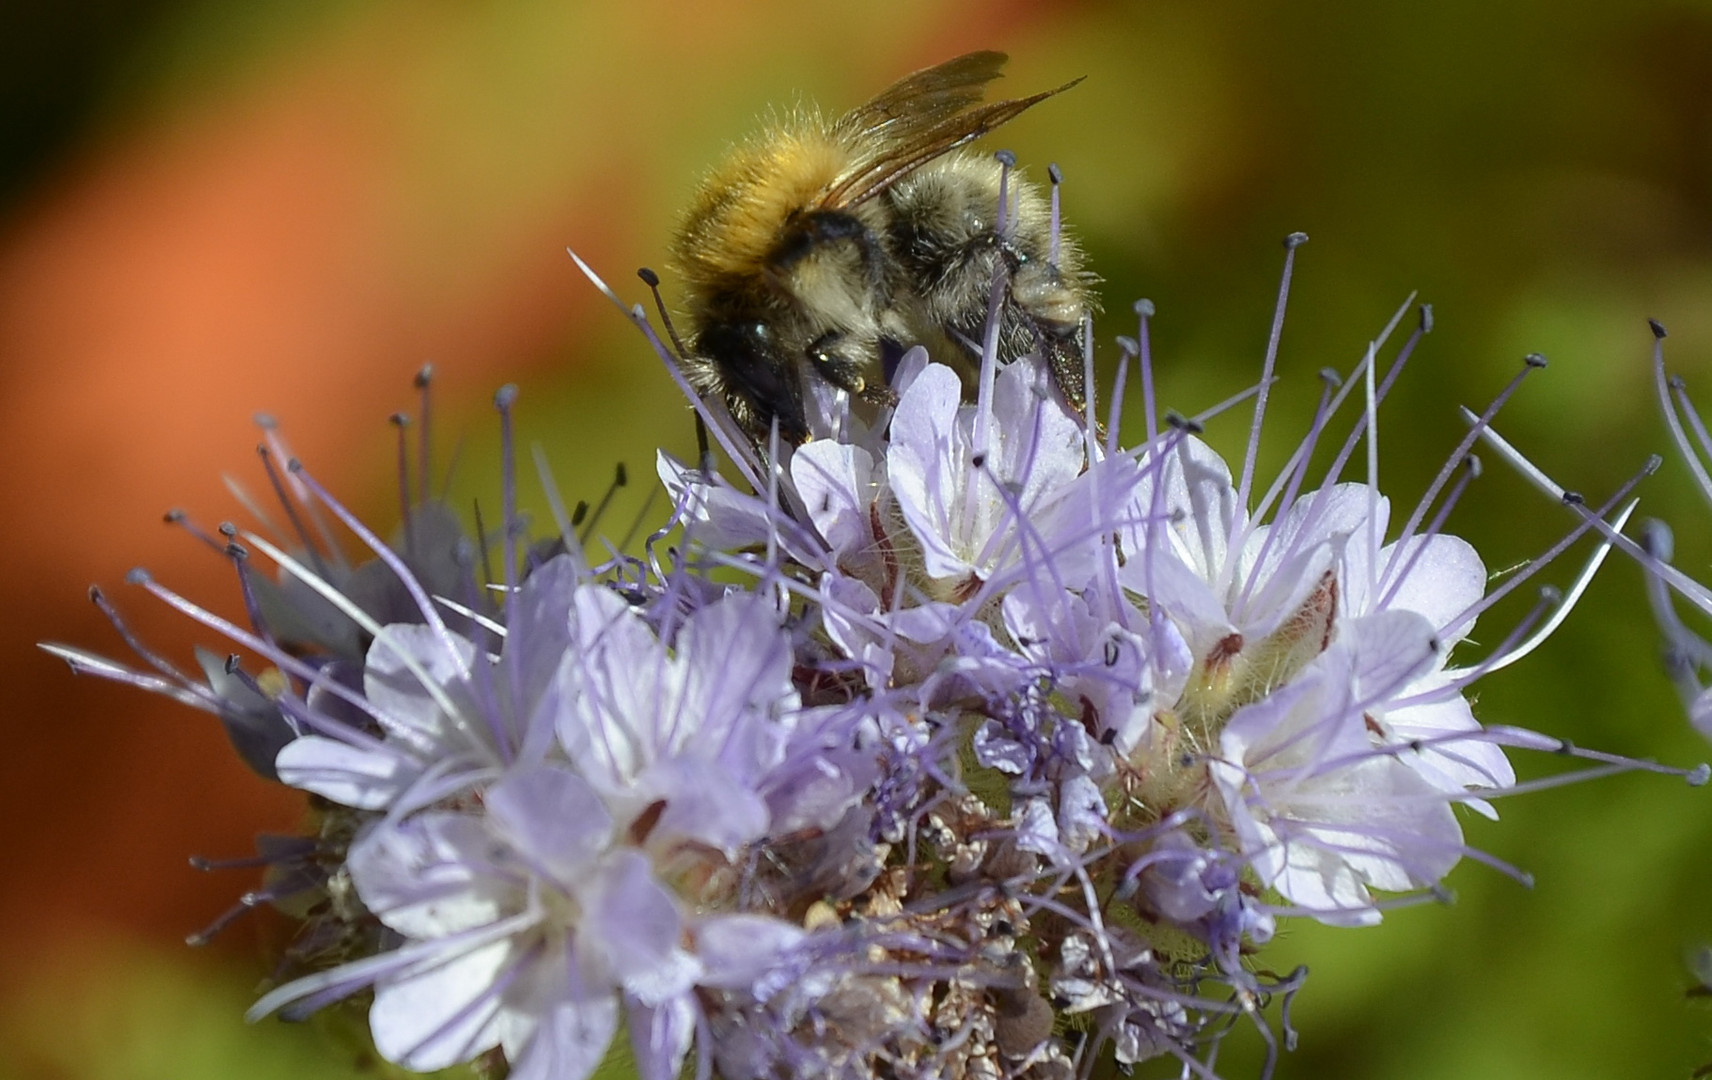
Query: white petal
(1444,578)
(927,467)
(346,774)
(398,692)
(441,1013)
(429,875)
(837,485)
(561,1026)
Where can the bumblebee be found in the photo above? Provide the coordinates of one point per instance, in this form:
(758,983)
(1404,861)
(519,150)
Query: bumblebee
(823,249)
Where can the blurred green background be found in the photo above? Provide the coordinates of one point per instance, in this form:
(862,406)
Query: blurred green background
(212,209)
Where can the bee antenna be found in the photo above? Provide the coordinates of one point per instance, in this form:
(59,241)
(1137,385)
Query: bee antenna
(652,280)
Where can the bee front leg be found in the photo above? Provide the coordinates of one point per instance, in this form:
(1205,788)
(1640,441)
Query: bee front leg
(830,353)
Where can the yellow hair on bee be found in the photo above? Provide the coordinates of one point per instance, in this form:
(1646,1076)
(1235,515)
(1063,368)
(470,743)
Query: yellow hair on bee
(734,219)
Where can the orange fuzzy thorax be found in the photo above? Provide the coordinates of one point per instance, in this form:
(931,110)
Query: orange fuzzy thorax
(740,208)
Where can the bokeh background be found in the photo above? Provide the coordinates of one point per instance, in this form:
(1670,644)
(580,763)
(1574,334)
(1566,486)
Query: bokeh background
(210,209)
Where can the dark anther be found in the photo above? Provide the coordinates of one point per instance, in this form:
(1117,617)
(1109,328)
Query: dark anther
(1111,654)
(95,595)
(1573,498)
(232,661)
(1006,158)
(1658,328)
(173,517)
(1564,746)
(649,278)
(1182,423)
(399,419)
(1054,173)
(1426,318)
(1677,382)
(645,822)
(978,461)
(1295,240)
(579,512)
(237,551)
(1472,464)
(424,376)
(294,466)
(1535,360)
(1144,308)
(621,477)
(1109,736)
(228,530)
(1417,745)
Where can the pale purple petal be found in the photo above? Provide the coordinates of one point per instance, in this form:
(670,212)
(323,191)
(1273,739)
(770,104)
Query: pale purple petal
(737,662)
(705,802)
(660,1036)
(615,680)
(634,930)
(348,775)
(397,691)
(928,454)
(429,875)
(558,1025)
(837,484)
(441,1012)
(553,817)
(737,950)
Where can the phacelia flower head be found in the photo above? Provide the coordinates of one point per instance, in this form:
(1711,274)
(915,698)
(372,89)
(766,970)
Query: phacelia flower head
(963,739)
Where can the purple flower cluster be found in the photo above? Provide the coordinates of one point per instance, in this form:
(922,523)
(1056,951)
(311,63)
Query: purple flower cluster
(961,740)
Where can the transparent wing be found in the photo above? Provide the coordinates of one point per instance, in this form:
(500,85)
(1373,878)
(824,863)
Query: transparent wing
(923,99)
(917,119)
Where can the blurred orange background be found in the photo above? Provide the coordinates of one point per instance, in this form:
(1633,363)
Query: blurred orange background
(290,208)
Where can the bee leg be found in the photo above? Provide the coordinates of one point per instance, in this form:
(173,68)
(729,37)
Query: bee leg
(1063,354)
(838,369)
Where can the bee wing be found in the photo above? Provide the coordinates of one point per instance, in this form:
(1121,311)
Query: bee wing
(923,99)
(919,118)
